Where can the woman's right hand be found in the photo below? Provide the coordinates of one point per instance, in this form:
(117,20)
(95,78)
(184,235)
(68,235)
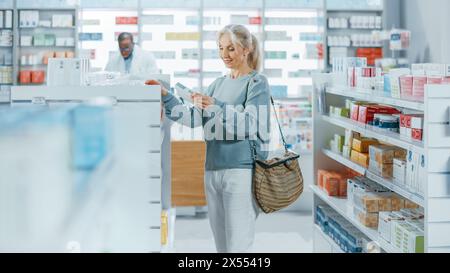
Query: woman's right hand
(164,91)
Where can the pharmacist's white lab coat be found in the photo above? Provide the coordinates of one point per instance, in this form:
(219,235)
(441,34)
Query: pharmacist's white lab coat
(143,63)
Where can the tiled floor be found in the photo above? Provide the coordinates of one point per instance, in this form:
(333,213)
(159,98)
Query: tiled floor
(286,232)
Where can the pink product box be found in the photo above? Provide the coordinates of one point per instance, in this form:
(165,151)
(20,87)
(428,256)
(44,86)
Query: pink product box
(406,86)
(446,80)
(434,80)
(419,86)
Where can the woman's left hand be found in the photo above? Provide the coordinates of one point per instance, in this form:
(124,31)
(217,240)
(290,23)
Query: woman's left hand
(202,101)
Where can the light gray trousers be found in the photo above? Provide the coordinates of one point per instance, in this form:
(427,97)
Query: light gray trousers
(232,209)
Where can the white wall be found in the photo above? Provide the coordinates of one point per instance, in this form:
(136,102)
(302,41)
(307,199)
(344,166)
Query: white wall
(428,20)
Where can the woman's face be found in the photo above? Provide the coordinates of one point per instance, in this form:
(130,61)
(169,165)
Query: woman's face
(233,56)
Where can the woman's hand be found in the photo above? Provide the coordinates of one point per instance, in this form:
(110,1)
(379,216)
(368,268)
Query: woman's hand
(202,101)
(164,91)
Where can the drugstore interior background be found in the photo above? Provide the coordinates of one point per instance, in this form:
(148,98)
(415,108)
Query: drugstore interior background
(299,39)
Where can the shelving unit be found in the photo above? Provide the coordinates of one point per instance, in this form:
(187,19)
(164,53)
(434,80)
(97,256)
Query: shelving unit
(6,50)
(346,10)
(42,35)
(98,31)
(292,41)
(131,187)
(173,34)
(435,148)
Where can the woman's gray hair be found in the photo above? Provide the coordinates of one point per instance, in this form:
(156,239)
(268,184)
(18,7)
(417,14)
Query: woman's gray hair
(241,36)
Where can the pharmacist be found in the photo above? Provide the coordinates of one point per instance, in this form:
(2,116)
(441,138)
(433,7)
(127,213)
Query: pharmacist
(131,59)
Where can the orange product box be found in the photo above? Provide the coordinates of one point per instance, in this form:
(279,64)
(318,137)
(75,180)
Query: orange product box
(331,184)
(38,76)
(320,177)
(25,76)
(70,54)
(47,56)
(60,54)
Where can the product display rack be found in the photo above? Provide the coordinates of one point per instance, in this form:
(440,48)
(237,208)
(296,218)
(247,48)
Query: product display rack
(334,9)
(435,148)
(98,30)
(173,35)
(6,50)
(31,56)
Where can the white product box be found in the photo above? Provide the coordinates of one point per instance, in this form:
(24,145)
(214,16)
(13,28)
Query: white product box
(26,40)
(412,170)
(422,174)
(385,220)
(8,19)
(62,20)
(29,19)
(1,19)
(346,150)
(417,123)
(399,173)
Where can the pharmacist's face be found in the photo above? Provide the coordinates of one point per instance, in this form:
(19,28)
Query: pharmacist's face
(232,55)
(126,48)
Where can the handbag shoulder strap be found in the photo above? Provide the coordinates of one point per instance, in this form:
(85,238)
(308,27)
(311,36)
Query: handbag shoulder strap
(276,117)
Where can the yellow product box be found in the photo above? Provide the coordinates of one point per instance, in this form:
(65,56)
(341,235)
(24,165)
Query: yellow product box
(362,145)
(363,160)
(354,156)
(164,228)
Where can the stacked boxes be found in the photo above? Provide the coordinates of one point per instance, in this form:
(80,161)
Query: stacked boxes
(360,149)
(346,236)
(382,159)
(333,183)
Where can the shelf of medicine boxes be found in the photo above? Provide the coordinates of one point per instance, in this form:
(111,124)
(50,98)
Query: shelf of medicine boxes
(375,96)
(103,21)
(374,132)
(213,22)
(334,246)
(387,183)
(342,206)
(156,24)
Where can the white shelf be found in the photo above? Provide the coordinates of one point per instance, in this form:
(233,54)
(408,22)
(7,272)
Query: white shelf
(329,240)
(342,207)
(346,162)
(382,181)
(419,200)
(374,96)
(371,131)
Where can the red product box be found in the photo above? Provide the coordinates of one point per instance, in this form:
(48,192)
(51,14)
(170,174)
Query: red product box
(38,76)
(434,80)
(25,76)
(126,20)
(417,134)
(255,20)
(367,113)
(419,86)
(405,121)
(406,86)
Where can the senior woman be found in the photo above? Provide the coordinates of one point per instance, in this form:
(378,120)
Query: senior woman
(230,110)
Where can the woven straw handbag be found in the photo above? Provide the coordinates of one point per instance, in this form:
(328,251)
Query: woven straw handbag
(278,182)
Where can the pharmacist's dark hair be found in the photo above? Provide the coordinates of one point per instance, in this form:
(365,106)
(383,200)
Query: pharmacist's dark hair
(125,36)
